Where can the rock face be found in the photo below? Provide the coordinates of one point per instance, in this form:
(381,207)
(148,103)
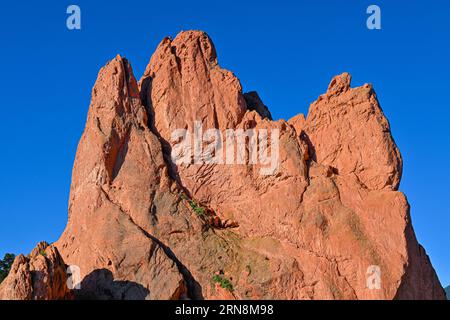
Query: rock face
(348,131)
(39,276)
(119,184)
(326,222)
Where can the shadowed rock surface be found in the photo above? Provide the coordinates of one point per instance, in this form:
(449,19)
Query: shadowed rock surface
(143,227)
(100,285)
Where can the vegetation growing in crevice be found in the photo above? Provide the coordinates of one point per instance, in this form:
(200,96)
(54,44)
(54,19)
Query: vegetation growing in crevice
(224,282)
(196,207)
(199,210)
(209,218)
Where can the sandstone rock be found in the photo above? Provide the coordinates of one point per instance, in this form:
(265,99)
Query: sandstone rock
(38,276)
(298,122)
(199,90)
(144,227)
(118,174)
(183,83)
(349,132)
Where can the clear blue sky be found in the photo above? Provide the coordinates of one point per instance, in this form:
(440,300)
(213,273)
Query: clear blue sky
(287,51)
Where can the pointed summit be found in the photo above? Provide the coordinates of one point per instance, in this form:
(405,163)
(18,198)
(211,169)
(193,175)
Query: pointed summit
(339,84)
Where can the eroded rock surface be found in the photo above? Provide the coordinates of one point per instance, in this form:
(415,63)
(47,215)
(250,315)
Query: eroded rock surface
(348,131)
(118,178)
(143,227)
(39,276)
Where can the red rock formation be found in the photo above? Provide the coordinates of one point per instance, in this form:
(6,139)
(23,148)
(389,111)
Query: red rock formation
(349,132)
(119,183)
(142,226)
(38,276)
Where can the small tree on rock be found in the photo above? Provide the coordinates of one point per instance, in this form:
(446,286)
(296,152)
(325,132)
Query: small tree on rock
(5,265)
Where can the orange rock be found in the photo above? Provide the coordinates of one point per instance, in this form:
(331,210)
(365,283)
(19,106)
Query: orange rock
(349,132)
(117,181)
(143,227)
(39,276)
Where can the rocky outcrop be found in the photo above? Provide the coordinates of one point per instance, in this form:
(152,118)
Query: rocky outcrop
(347,130)
(320,224)
(39,276)
(119,184)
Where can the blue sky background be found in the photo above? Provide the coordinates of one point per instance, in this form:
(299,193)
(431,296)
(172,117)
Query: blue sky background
(287,51)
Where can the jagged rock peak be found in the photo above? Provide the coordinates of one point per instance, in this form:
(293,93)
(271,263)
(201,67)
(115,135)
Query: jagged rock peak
(186,45)
(348,131)
(312,228)
(339,84)
(39,276)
